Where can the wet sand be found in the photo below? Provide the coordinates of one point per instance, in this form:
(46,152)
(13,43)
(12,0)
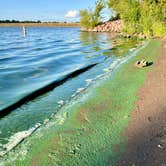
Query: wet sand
(146,131)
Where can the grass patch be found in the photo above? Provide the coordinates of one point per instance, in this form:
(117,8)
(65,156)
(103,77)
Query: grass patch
(92,133)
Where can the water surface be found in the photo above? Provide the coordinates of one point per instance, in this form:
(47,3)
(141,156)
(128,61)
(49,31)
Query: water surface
(48,55)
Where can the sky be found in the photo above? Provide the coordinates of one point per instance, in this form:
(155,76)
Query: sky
(44,10)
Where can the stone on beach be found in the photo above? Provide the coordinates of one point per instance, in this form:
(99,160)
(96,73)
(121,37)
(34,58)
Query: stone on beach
(141,64)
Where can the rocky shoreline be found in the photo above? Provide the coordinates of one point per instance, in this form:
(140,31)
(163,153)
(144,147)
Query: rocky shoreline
(114,27)
(109,26)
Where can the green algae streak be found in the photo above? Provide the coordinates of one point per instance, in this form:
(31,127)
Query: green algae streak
(92,133)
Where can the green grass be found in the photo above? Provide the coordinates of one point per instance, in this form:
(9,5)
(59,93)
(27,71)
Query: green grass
(92,132)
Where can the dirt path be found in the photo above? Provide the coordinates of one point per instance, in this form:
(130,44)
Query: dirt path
(147,130)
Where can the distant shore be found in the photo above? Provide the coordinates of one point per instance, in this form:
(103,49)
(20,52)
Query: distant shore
(49,24)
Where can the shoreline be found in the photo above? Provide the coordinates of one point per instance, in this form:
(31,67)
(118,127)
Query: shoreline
(15,139)
(146,132)
(91,133)
(39,24)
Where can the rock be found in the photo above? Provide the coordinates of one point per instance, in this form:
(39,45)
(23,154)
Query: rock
(95,29)
(149,119)
(138,64)
(142,36)
(160,146)
(141,64)
(128,36)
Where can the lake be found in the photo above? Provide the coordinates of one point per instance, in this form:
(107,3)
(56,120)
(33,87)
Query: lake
(41,73)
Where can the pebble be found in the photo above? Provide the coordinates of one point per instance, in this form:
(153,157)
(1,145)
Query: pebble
(160,146)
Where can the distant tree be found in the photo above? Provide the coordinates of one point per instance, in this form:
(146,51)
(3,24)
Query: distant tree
(17,21)
(7,21)
(99,6)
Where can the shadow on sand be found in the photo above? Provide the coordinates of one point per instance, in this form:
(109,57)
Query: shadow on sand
(149,64)
(147,147)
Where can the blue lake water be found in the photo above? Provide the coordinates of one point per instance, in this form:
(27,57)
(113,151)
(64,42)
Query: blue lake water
(49,56)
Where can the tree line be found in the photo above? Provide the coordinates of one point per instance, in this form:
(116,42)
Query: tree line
(139,16)
(17,21)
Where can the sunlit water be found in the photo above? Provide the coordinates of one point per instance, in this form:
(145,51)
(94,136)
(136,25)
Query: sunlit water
(44,56)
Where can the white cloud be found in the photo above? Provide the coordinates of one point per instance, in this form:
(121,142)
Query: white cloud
(72,13)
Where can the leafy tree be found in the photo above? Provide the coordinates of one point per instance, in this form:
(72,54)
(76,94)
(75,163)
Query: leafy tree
(153,17)
(85,18)
(128,11)
(90,18)
(141,16)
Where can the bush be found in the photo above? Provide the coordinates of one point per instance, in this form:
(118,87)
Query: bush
(159,29)
(90,18)
(148,16)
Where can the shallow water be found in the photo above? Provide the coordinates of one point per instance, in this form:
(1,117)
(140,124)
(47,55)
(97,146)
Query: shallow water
(44,57)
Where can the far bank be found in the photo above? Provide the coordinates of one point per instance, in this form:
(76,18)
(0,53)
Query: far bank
(40,24)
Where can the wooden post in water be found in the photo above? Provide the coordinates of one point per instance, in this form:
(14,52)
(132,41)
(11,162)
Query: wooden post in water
(24,31)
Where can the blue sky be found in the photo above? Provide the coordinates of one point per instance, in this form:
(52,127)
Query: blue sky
(44,10)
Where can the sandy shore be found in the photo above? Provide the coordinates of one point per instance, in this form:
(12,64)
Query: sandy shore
(146,131)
